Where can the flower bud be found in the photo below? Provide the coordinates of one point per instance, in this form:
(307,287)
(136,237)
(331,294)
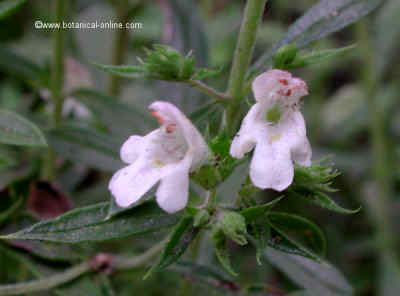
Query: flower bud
(233,225)
(285,56)
(201,218)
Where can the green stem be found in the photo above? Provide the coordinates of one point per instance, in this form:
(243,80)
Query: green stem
(46,283)
(204,88)
(53,281)
(242,58)
(57,84)
(128,263)
(120,45)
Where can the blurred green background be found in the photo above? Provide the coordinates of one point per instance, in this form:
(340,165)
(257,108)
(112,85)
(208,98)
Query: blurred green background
(352,114)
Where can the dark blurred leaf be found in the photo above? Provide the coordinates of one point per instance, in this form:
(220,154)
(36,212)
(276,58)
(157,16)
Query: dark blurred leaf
(322,19)
(389,275)
(181,238)
(6,214)
(208,275)
(121,119)
(88,224)
(86,146)
(299,227)
(8,7)
(93,285)
(190,27)
(19,66)
(387,35)
(317,278)
(16,130)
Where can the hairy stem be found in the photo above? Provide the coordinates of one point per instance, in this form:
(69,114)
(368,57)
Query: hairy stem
(46,283)
(204,88)
(57,83)
(53,281)
(128,263)
(242,58)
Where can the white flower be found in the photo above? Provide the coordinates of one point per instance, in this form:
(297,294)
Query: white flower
(167,154)
(76,76)
(276,128)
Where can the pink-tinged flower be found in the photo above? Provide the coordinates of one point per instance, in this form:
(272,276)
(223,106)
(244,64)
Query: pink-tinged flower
(76,76)
(276,128)
(166,155)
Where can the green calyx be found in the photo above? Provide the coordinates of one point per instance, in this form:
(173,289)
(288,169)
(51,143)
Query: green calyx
(233,225)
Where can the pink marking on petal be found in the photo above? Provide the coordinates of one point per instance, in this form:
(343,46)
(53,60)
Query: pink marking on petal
(171,128)
(158,117)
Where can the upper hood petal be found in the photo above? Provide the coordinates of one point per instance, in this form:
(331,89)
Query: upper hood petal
(197,146)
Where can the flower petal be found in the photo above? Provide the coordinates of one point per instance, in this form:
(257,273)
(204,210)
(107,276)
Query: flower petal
(173,191)
(271,165)
(197,146)
(131,149)
(301,154)
(266,83)
(129,184)
(246,138)
(294,131)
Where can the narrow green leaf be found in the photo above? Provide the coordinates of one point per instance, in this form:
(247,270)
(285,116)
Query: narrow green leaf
(125,71)
(203,112)
(324,201)
(89,224)
(253,213)
(8,7)
(299,227)
(260,234)
(4,215)
(322,19)
(315,57)
(222,252)
(318,278)
(17,130)
(181,238)
(87,146)
(279,240)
